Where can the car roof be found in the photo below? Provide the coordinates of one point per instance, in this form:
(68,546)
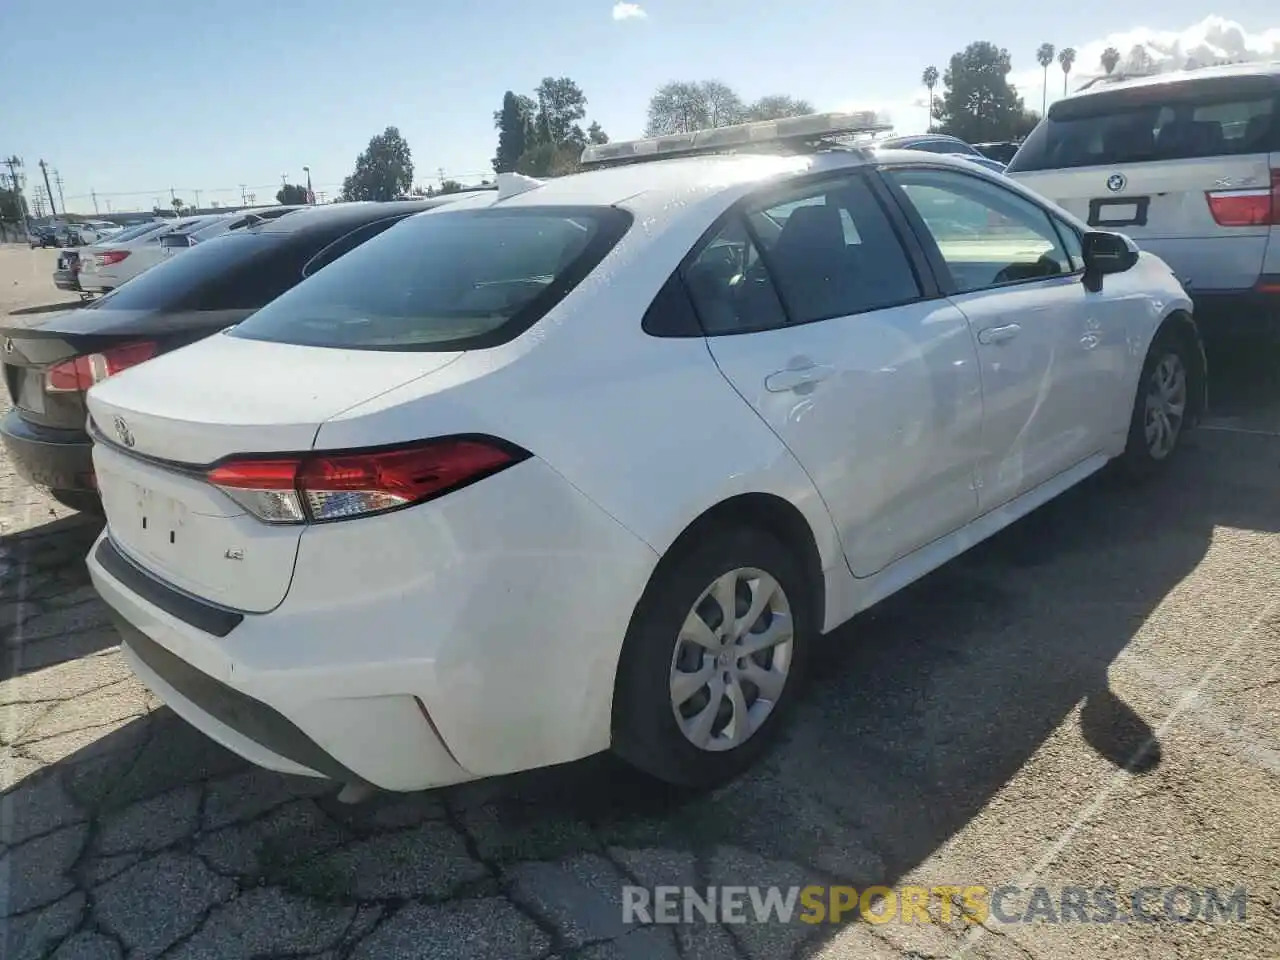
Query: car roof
(660,190)
(337,215)
(1252,69)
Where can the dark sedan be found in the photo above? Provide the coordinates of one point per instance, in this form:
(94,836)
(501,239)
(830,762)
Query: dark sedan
(50,362)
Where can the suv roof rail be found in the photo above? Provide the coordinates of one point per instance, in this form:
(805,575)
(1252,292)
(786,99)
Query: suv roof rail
(814,131)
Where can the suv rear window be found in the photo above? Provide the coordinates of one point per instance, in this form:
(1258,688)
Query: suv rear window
(447,280)
(1175,121)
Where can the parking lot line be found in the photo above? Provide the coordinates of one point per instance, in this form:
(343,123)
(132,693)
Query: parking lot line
(1191,698)
(1227,428)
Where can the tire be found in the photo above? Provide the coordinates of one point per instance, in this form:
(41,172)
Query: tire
(1160,408)
(646,731)
(80,500)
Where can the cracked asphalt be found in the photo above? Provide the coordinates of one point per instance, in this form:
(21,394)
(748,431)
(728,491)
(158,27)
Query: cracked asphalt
(1091,697)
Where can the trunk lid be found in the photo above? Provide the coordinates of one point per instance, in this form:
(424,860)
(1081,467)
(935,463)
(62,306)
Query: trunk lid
(166,419)
(1164,206)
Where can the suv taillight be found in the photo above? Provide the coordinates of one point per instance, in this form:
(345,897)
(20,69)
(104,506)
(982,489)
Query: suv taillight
(1255,207)
(80,373)
(318,487)
(107,258)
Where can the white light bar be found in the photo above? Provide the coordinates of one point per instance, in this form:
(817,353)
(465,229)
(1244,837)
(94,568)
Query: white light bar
(812,126)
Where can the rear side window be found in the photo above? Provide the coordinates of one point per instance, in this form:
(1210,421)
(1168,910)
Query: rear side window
(448,280)
(1178,121)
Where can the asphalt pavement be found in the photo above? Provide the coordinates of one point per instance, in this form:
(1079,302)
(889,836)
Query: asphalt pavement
(1089,699)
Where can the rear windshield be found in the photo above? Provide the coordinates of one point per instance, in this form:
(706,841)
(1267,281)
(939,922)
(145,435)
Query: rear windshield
(1179,121)
(446,280)
(186,282)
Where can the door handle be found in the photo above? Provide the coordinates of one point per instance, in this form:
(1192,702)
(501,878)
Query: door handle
(793,378)
(999,334)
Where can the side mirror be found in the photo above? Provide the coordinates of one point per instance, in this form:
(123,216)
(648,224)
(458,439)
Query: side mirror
(1106,253)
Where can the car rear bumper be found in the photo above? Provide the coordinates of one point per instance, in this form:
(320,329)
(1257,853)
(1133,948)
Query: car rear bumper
(1242,314)
(45,457)
(473,636)
(66,280)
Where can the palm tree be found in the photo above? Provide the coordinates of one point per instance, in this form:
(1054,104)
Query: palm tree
(930,80)
(1045,57)
(1110,57)
(1065,60)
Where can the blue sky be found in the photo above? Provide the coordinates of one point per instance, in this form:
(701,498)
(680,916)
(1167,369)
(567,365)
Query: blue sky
(209,95)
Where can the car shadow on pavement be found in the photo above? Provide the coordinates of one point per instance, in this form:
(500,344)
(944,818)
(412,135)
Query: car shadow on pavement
(51,612)
(137,829)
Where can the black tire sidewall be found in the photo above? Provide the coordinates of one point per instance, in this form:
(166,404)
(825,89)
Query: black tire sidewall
(645,732)
(1137,456)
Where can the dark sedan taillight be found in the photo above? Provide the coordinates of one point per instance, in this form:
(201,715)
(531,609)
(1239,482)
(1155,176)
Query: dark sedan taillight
(80,373)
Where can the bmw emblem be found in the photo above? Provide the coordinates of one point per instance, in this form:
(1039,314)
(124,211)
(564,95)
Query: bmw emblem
(123,432)
(1116,182)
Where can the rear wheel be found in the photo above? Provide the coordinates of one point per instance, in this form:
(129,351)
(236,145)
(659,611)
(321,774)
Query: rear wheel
(1160,410)
(713,660)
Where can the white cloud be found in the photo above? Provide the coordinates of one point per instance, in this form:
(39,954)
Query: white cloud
(628,11)
(1213,39)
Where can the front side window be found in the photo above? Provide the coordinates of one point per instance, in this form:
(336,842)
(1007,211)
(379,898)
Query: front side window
(448,280)
(986,235)
(731,290)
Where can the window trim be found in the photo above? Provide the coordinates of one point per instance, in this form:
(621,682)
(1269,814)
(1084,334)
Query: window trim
(776,193)
(946,280)
(308,268)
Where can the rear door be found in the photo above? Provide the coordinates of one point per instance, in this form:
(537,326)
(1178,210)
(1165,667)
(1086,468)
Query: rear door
(1185,168)
(822,320)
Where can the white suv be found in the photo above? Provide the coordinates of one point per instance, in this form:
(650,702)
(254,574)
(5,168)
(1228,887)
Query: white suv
(1188,164)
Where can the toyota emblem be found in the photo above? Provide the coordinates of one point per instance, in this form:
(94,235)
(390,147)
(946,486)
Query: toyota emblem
(123,432)
(1116,182)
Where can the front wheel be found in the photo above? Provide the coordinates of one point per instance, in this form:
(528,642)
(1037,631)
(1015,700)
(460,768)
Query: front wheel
(713,659)
(1160,410)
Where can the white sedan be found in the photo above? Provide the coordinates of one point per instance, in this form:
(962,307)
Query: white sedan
(591,463)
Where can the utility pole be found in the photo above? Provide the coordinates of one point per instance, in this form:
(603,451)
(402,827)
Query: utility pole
(244,197)
(44,169)
(62,202)
(108,208)
(13,163)
(284,180)
(197,193)
(311,197)
(440,170)
(94,193)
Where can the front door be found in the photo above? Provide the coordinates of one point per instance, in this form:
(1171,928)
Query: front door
(1052,360)
(814,313)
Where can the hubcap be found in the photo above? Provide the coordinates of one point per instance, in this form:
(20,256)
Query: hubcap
(732,659)
(1166,405)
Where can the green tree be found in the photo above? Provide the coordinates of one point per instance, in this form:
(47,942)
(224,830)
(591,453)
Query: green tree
(178,205)
(724,106)
(549,160)
(515,125)
(930,79)
(978,103)
(13,205)
(596,135)
(1139,62)
(677,107)
(383,172)
(776,106)
(1044,56)
(561,104)
(292,193)
(451,186)
(1109,59)
(1066,59)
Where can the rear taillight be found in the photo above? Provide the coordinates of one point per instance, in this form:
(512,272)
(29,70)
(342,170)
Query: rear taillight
(81,373)
(108,257)
(1256,207)
(339,486)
